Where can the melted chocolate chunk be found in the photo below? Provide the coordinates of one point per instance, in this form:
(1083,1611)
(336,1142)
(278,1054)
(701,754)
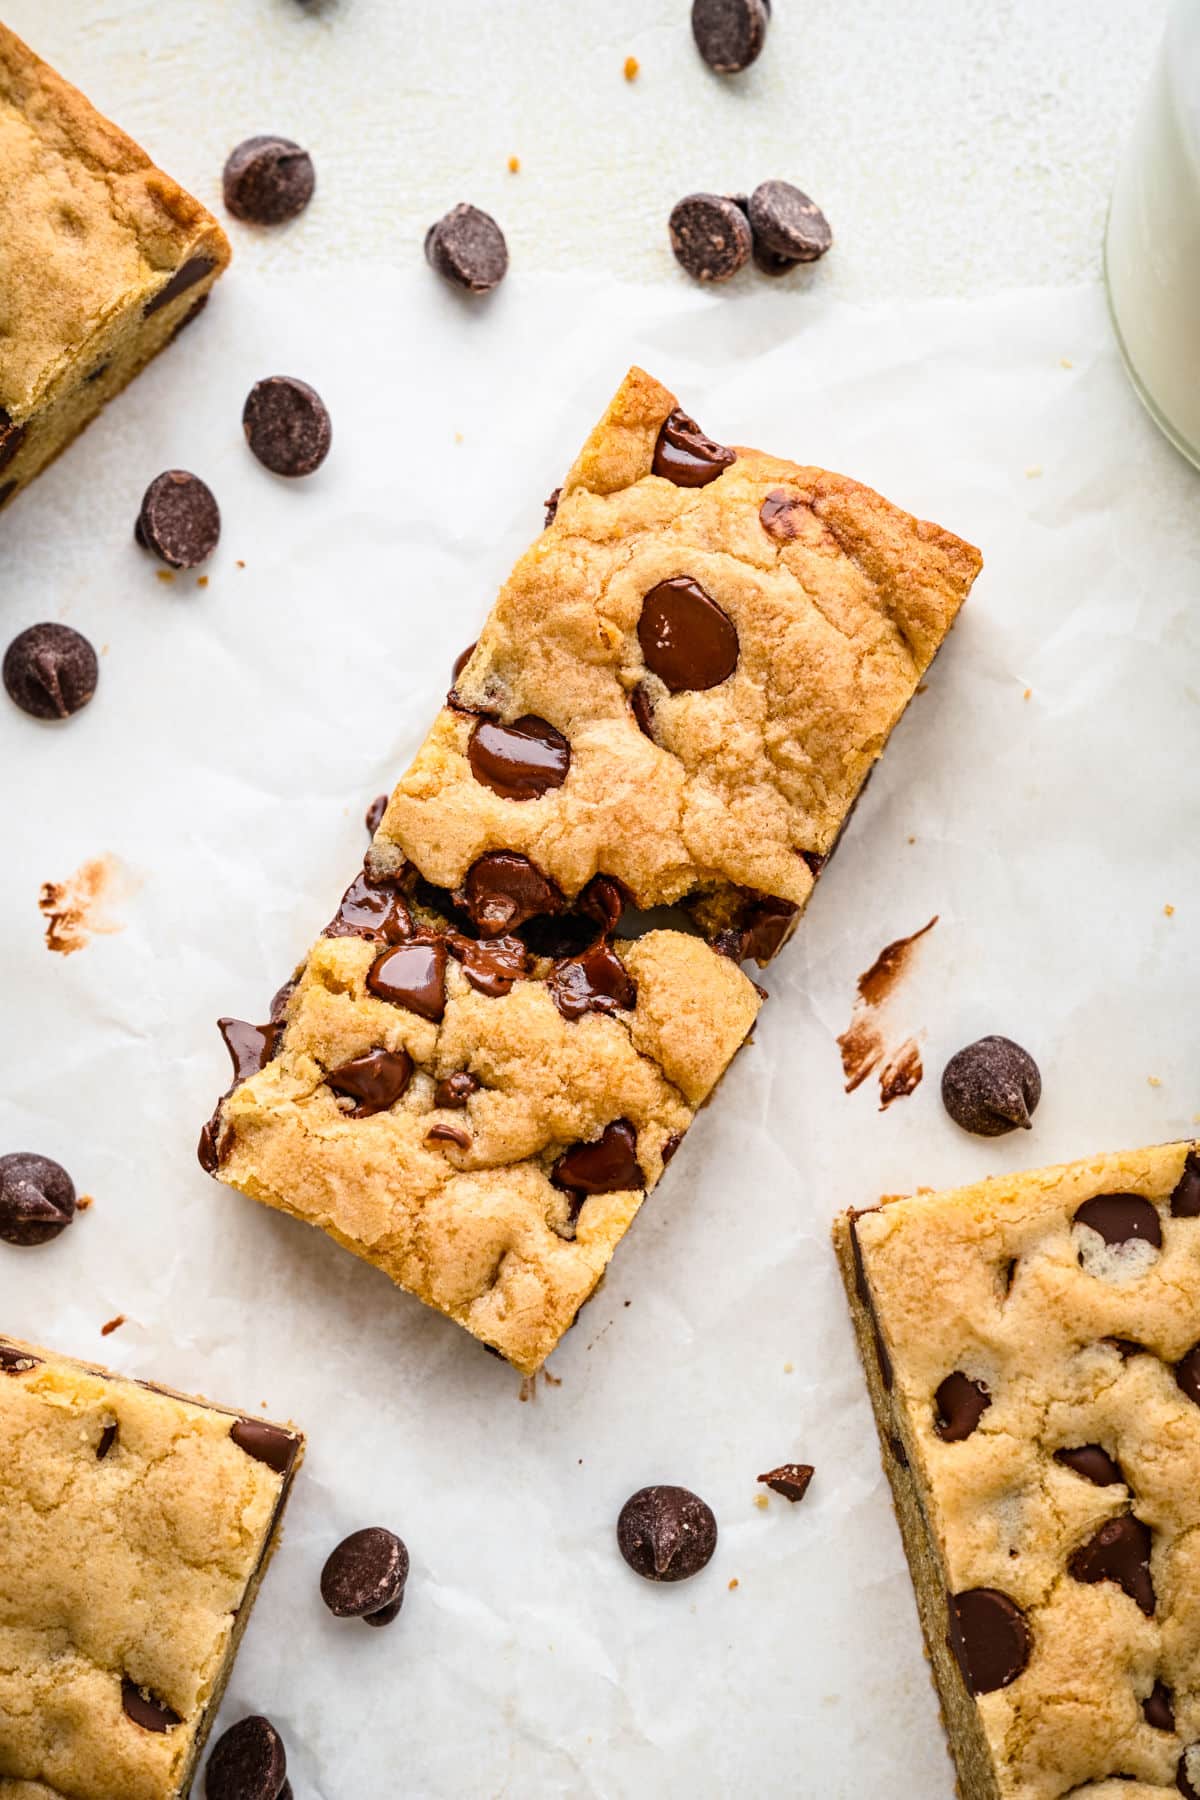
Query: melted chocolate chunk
(145,1710)
(792,1480)
(520,761)
(1185,1201)
(179,519)
(597,981)
(268,180)
(666,1533)
(413,975)
(959,1404)
(365,1576)
(1187,1374)
(490,967)
(604,899)
(50,671)
(455,1090)
(503,889)
(376,1080)
(11,438)
(287,425)
(1158,1708)
(467,248)
(449,1134)
(1120,1552)
(461,661)
(780,515)
(16,1362)
(685,456)
(249,1046)
(609,1165)
(373,818)
(990,1638)
(1093,1463)
(37,1199)
(186,276)
(373,910)
(1122,1218)
(687,640)
(248,1763)
(671,1146)
(991,1087)
(767,924)
(266,1443)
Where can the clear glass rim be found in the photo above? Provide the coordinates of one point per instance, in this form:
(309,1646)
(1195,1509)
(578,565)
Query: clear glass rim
(1189,451)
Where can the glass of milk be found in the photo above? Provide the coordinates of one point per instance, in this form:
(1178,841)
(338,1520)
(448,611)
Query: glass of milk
(1152,248)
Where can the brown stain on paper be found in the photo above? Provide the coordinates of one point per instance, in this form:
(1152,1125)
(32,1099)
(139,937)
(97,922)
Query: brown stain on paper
(80,907)
(864,1044)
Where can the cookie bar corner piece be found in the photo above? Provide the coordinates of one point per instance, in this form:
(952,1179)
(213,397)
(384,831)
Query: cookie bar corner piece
(103,260)
(136,1528)
(1032,1349)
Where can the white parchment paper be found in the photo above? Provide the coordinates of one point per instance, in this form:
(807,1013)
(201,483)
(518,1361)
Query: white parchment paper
(1040,797)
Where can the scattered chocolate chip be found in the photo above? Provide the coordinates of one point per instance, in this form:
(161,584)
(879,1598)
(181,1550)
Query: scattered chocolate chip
(16,1362)
(412,975)
(671,1146)
(374,814)
(1120,1552)
(643,710)
(1158,1708)
(789,1479)
(1187,1374)
(597,981)
(364,1577)
(1122,1219)
(248,1763)
(179,520)
(990,1638)
(991,1087)
(266,1443)
(780,515)
(287,425)
(666,1533)
(250,1046)
(108,1438)
(376,1080)
(787,223)
(1093,1463)
(268,180)
(371,909)
(730,34)
(687,640)
(455,1090)
(462,659)
(467,247)
(50,671)
(520,761)
(1185,1201)
(503,889)
(608,1165)
(37,1198)
(449,1134)
(11,438)
(959,1404)
(552,507)
(685,456)
(145,1710)
(186,276)
(709,236)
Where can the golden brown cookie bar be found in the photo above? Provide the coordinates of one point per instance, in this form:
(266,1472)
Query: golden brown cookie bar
(683,684)
(103,259)
(135,1528)
(1032,1347)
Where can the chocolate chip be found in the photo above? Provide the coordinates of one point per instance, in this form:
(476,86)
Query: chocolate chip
(597,981)
(179,520)
(11,438)
(266,1443)
(1182,1776)
(1187,1374)
(787,223)
(287,425)
(643,710)
(730,34)
(455,1090)
(1122,1219)
(373,910)
(563,934)
(37,1198)
(17,1362)
(990,1638)
(959,1404)
(709,236)
(781,515)
(769,262)
(1185,1200)
(1158,1708)
(50,671)
(268,180)
(279,1000)
(462,659)
(145,1710)
(671,1146)
(412,975)
(520,761)
(186,276)
(491,967)
(608,1165)
(1093,1463)
(250,1046)
(365,1575)
(374,814)
(377,1079)
(1120,1552)
(552,507)
(687,640)
(685,456)
(604,899)
(789,1479)
(467,247)
(449,1134)
(991,1087)
(503,889)
(666,1533)
(248,1763)
(766,924)
(108,1438)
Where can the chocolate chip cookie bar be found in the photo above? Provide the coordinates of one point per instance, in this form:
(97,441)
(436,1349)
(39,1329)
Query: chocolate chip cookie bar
(135,1528)
(1032,1347)
(103,259)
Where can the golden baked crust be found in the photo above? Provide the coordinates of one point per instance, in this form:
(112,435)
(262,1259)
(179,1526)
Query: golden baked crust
(126,1555)
(1077,1336)
(91,236)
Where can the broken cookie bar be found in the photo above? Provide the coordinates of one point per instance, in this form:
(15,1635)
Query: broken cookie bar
(103,259)
(1032,1347)
(683,684)
(135,1528)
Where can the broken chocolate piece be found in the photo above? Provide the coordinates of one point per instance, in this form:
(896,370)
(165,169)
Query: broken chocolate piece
(789,1479)
(685,456)
(371,909)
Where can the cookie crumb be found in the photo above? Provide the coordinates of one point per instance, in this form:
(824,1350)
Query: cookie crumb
(632,68)
(912,840)
(1028,694)
(1064,362)
(458,438)
(113,1325)
(202,581)
(1169,910)
(1033,471)
(164,574)
(788,1368)
(514,165)
(84,1201)
(239,564)
(733,1582)
(762,1502)
(1154,1080)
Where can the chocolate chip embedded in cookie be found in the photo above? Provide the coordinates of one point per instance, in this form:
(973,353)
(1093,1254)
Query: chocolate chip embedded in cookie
(608,1165)
(144,1709)
(455,1090)
(730,34)
(364,1577)
(990,1637)
(375,1080)
(687,640)
(413,975)
(596,981)
(287,425)
(248,1762)
(371,909)
(1185,1200)
(37,1199)
(959,1404)
(50,671)
(787,223)
(268,180)
(666,1533)
(1117,1237)
(991,1087)
(520,761)
(710,236)
(685,456)
(1093,1463)
(503,889)
(490,967)
(373,818)
(268,1444)
(179,519)
(467,248)
(1120,1552)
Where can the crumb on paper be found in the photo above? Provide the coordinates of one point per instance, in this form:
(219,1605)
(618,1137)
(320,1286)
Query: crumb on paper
(164,574)
(762,1501)
(83,905)
(789,1368)
(1154,1080)
(1064,362)
(104,649)
(633,68)
(458,438)
(1033,471)
(239,564)
(922,687)
(113,1325)
(514,165)
(1169,910)
(912,839)
(1028,694)
(733,1582)
(202,581)
(84,1201)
